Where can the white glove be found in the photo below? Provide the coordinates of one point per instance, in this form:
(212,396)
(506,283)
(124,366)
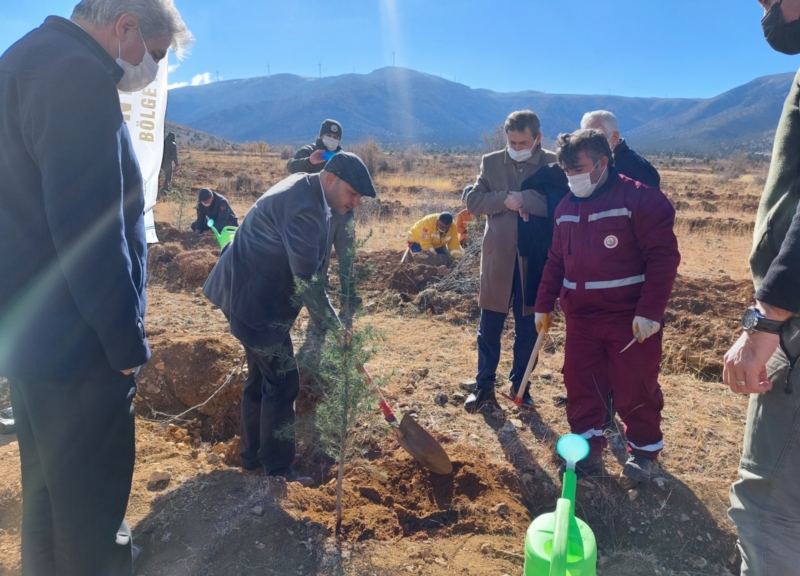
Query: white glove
(644,328)
(542,321)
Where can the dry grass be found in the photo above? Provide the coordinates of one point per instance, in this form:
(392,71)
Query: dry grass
(437,184)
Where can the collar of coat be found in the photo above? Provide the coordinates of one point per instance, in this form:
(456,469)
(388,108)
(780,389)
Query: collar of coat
(534,160)
(316,182)
(72,29)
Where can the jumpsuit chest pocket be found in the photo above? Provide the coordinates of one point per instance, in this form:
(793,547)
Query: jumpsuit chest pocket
(611,234)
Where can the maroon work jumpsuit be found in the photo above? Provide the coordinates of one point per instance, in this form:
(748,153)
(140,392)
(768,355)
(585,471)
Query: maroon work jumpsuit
(614,256)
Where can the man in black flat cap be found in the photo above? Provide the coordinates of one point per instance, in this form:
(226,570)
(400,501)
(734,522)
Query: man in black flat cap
(311,159)
(283,237)
(215,207)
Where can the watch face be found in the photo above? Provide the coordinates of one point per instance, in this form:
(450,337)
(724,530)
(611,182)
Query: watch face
(749,319)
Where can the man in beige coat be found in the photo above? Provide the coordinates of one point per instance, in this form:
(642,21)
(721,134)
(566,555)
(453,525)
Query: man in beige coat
(497,193)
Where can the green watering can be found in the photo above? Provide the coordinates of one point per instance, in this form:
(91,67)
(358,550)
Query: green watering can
(557,543)
(226,236)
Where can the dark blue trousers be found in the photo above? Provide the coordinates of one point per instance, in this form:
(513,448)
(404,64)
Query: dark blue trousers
(490,332)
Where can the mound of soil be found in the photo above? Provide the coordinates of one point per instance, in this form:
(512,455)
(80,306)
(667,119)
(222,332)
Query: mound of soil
(185,371)
(702,321)
(182,260)
(394,496)
(712,224)
(410,277)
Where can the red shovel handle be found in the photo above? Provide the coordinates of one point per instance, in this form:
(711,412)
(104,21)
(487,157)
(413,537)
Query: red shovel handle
(385,408)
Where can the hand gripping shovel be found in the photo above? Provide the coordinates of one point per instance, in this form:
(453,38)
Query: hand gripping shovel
(414,439)
(523,385)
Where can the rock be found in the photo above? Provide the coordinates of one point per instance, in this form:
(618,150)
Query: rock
(219,448)
(212,458)
(440,398)
(151,389)
(258,511)
(160,367)
(500,509)
(260,545)
(440,562)
(660,483)
(158,480)
(684,518)
(633,495)
(697,562)
(459,397)
(194,454)
(486,548)
(516,423)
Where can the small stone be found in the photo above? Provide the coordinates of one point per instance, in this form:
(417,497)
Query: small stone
(527,478)
(219,448)
(516,423)
(474,437)
(459,397)
(684,518)
(661,483)
(194,454)
(160,367)
(440,562)
(632,529)
(212,458)
(260,545)
(697,562)
(151,389)
(633,495)
(440,398)
(602,560)
(257,510)
(486,548)
(500,509)
(159,480)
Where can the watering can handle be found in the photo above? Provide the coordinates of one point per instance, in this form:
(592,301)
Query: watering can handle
(558,562)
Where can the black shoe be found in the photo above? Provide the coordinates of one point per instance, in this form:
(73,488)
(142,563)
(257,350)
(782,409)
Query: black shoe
(292,476)
(589,467)
(478,399)
(638,470)
(527,401)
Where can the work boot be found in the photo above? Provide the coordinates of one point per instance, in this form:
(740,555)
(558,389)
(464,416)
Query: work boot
(590,467)
(292,476)
(527,401)
(478,399)
(638,470)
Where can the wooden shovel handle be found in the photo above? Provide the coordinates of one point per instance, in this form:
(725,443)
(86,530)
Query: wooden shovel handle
(534,355)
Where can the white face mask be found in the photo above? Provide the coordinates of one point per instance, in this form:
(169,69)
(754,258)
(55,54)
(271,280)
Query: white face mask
(330,143)
(581,184)
(137,78)
(522,155)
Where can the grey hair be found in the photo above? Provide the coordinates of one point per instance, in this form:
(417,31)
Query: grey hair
(157,19)
(606,118)
(593,142)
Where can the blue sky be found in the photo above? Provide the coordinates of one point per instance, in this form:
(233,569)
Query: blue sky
(675,48)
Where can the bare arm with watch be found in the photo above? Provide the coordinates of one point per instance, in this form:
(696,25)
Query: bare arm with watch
(745,369)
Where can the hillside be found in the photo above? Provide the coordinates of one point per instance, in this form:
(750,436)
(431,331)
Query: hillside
(398,106)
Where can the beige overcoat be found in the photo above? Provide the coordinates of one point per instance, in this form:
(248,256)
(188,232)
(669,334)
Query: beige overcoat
(500,175)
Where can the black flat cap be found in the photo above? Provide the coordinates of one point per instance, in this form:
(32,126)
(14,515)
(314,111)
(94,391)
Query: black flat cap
(352,170)
(204,195)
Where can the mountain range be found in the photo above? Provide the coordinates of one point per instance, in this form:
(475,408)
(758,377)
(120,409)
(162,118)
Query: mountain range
(399,107)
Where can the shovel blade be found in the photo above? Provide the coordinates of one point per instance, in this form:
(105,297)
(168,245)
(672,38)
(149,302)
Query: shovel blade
(422,446)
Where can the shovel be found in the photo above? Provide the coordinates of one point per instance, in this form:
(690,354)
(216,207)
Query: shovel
(523,385)
(414,439)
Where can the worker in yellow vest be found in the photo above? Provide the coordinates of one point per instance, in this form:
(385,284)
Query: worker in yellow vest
(435,233)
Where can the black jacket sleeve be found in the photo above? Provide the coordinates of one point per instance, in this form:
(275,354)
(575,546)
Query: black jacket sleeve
(76,134)
(781,285)
(300,162)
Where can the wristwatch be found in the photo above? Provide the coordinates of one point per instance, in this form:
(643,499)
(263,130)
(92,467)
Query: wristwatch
(753,320)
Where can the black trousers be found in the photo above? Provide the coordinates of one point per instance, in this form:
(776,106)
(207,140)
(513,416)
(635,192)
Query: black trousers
(77,450)
(270,390)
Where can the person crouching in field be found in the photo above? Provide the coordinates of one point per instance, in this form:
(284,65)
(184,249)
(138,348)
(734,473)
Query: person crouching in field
(437,234)
(612,263)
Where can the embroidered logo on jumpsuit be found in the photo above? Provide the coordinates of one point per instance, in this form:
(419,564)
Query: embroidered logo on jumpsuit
(611,242)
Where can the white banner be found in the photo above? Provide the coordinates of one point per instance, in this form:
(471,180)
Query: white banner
(144,113)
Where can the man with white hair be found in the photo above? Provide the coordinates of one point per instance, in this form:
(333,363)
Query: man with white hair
(72,294)
(627,162)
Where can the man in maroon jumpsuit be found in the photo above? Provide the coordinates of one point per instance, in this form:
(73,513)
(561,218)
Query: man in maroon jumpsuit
(613,261)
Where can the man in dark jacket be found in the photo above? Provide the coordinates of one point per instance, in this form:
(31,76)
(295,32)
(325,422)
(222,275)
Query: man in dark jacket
(72,292)
(311,159)
(169,158)
(282,239)
(626,161)
(762,364)
(215,207)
